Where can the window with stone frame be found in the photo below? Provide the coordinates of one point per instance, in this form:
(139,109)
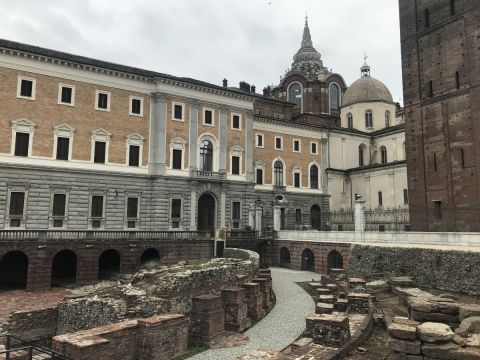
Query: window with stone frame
(59,204)
(177,155)
(99,155)
(16,209)
(369,119)
(178,112)
(278,173)
(236,215)
(314,177)
(235,165)
(259,177)
(175,213)
(97,211)
(208,117)
(132,212)
(22,144)
(298,216)
(296,179)
(134,155)
(63,148)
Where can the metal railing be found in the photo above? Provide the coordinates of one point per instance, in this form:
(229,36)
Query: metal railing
(208,174)
(95,235)
(16,348)
(249,235)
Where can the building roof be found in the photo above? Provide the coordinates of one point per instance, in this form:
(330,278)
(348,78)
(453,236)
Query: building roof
(366,89)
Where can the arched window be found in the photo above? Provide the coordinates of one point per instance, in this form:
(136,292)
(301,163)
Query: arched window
(387,119)
(405,196)
(206,156)
(380,198)
(361,155)
(350,121)
(383,155)
(278,173)
(368,119)
(334,97)
(295,94)
(313,177)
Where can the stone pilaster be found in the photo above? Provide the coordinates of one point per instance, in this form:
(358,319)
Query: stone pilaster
(193,136)
(249,147)
(222,163)
(158,129)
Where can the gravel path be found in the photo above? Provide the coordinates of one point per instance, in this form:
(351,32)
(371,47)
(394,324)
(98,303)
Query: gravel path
(282,325)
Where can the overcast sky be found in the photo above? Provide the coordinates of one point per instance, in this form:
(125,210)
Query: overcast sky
(250,40)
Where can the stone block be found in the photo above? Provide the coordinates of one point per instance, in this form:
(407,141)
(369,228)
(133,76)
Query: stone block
(435,332)
(254,300)
(357,285)
(338,274)
(235,309)
(469,326)
(300,343)
(468,310)
(341,305)
(332,287)
(358,303)
(403,329)
(324,308)
(265,290)
(440,351)
(329,299)
(393,355)
(331,330)
(316,285)
(433,305)
(406,281)
(233,295)
(405,346)
(323,291)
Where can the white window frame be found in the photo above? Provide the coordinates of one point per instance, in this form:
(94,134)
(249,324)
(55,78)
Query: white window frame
(100,135)
(22,126)
(299,146)
(130,112)
(59,191)
(137,219)
(316,147)
(239,121)
(103,218)
(260,165)
(236,150)
(297,170)
(60,87)
(136,140)
(231,214)
(177,144)
(23,220)
(65,131)
(284,172)
(109,99)
(275,143)
(183,111)
(213,116)
(263,140)
(19,87)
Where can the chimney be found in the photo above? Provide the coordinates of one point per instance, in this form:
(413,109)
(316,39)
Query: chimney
(225,83)
(267,91)
(252,89)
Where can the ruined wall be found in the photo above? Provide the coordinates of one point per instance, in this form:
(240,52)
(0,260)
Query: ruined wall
(450,270)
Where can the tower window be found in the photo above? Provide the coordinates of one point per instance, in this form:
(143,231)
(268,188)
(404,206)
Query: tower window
(452,7)
(350,121)
(457,80)
(430,88)
(405,197)
(380,198)
(295,94)
(434,162)
(427,18)
(462,155)
(369,119)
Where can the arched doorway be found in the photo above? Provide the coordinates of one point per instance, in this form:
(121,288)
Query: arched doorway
(308,260)
(13,270)
(315,218)
(334,260)
(150,257)
(284,258)
(206,212)
(64,268)
(108,264)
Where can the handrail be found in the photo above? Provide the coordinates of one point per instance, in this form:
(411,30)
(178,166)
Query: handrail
(25,345)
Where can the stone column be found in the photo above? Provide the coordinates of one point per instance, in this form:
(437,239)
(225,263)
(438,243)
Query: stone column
(222,165)
(359,215)
(325,164)
(251,216)
(193,207)
(223,204)
(277,214)
(192,141)
(249,147)
(258,218)
(158,129)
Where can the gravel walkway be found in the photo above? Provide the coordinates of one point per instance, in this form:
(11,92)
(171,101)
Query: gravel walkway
(282,325)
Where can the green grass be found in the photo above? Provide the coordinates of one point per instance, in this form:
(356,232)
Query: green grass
(309,289)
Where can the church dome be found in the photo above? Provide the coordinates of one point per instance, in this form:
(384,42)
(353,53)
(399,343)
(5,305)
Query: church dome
(366,89)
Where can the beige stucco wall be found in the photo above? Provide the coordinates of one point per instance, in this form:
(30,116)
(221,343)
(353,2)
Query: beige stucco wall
(358,112)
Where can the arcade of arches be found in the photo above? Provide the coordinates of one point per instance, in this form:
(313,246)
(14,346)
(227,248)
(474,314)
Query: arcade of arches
(316,257)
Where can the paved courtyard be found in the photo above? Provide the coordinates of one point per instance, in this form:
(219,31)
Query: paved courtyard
(282,325)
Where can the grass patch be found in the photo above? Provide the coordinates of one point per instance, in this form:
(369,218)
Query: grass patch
(193,350)
(310,290)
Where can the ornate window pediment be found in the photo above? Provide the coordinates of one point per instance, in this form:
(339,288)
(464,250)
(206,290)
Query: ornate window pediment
(135,139)
(178,143)
(64,130)
(101,134)
(23,125)
(236,150)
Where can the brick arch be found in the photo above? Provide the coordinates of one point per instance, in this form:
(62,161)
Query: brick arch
(14,267)
(343,251)
(307,259)
(109,263)
(64,267)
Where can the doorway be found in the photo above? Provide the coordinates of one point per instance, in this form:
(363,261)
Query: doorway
(206,212)
(315,218)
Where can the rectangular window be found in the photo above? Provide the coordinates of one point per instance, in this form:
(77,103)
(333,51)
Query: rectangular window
(462,156)
(178,112)
(298,216)
(405,197)
(132,207)
(235,165)
(177,159)
(380,198)
(236,122)
(434,162)
(278,143)
(16,208)
(136,106)
(259,142)
(176,212)
(102,101)
(296,145)
(296,180)
(430,88)
(208,117)
(259,176)
(59,202)
(99,152)
(134,155)
(236,215)
(63,148)
(437,208)
(66,96)
(97,207)
(314,148)
(21,144)
(26,88)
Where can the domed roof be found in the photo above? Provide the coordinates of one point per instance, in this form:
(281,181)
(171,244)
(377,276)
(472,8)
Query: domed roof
(366,89)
